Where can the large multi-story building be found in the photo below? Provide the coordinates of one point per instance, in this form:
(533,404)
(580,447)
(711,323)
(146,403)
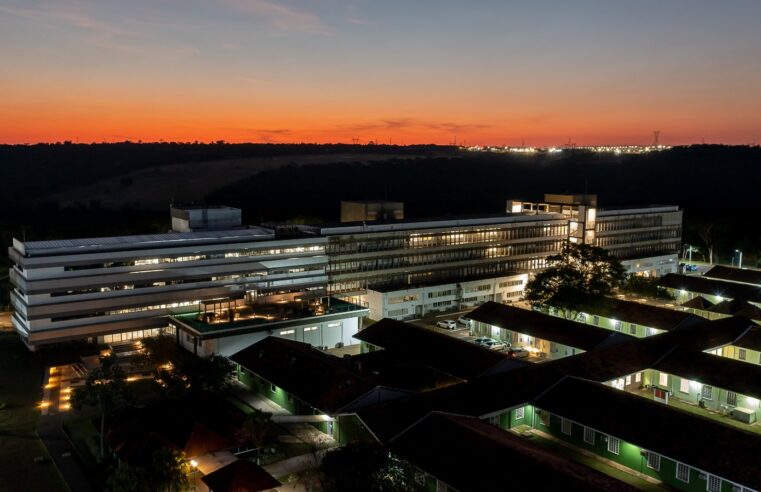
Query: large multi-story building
(87,288)
(645,239)
(116,288)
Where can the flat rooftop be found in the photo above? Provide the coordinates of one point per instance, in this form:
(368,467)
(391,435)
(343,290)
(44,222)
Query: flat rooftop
(145,241)
(258,317)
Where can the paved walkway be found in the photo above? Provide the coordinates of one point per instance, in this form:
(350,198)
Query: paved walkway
(63,453)
(60,448)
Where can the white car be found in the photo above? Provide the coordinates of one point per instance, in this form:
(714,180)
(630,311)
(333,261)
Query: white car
(518,352)
(447,324)
(463,321)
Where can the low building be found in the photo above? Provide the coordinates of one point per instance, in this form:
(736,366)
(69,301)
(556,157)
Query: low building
(224,328)
(683,450)
(633,318)
(731,274)
(453,356)
(719,384)
(428,444)
(687,287)
(415,301)
(548,337)
(312,386)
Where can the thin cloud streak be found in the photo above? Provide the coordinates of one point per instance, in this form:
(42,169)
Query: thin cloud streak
(73,18)
(282,17)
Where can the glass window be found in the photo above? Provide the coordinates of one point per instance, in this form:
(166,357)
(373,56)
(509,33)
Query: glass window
(707,392)
(742,354)
(589,435)
(653,461)
(732,398)
(614,444)
(683,472)
(633,329)
(566,426)
(684,385)
(714,484)
(663,379)
(520,412)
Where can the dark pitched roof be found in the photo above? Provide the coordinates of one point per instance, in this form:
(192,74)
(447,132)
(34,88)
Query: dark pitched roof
(751,339)
(322,381)
(544,326)
(643,314)
(492,394)
(705,285)
(713,370)
(741,275)
(428,444)
(240,476)
(737,307)
(676,434)
(697,302)
(202,441)
(184,425)
(448,354)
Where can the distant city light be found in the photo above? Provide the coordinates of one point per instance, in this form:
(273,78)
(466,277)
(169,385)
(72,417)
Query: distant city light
(610,149)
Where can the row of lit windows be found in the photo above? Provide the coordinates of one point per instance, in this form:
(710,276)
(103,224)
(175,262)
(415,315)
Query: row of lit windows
(364,244)
(619,224)
(316,249)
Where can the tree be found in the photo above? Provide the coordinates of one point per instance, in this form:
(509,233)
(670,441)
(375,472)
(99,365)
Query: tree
(169,471)
(646,286)
(212,373)
(370,467)
(257,429)
(705,231)
(580,275)
(105,388)
(166,471)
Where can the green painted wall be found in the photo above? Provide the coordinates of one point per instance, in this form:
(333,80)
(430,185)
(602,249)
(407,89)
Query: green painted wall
(629,455)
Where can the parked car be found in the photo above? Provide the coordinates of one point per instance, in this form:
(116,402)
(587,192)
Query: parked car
(463,321)
(495,345)
(447,324)
(518,352)
(483,340)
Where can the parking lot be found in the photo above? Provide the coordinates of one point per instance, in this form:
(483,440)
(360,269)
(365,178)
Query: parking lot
(462,331)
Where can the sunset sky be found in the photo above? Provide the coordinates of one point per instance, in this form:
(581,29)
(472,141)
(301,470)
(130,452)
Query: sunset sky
(410,71)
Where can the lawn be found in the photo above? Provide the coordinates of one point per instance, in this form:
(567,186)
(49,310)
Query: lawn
(21,374)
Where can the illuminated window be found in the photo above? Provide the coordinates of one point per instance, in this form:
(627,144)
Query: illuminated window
(520,413)
(683,472)
(684,385)
(638,377)
(287,332)
(310,328)
(663,379)
(614,445)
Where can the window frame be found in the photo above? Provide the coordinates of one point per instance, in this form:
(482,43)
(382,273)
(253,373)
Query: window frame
(653,461)
(588,431)
(684,468)
(614,449)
